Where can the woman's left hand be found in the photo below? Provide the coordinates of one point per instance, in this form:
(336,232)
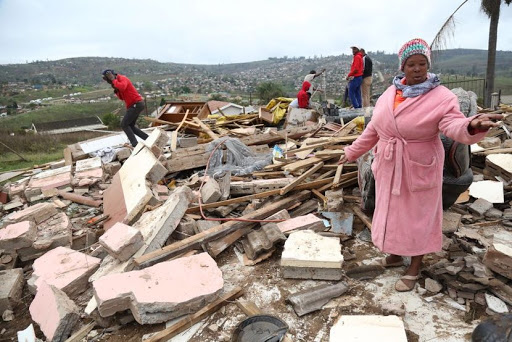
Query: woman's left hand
(485,121)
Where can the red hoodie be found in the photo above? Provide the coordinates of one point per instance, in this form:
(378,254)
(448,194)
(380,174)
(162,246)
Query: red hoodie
(303,96)
(357,67)
(126,91)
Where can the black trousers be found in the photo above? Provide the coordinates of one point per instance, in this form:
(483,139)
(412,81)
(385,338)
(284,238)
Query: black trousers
(129,120)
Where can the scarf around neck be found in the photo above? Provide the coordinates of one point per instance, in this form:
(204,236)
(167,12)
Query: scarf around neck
(430,83)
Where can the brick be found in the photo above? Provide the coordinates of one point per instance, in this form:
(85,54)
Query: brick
(64,268)
(122,241)
(210,192)
(368,328)
(55,313)
(11,286)
(37,213)
(308,255)
(17,235)
(451,222)
(180,286)
(308,221)
(479,207)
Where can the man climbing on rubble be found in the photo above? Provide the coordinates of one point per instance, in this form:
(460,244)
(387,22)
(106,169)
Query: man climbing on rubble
(355,78)
(310,77)
(125,91)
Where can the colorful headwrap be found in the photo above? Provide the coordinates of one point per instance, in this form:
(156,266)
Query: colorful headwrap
(413,47)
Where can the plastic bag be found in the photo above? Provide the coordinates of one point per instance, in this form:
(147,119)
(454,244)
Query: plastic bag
(239,159)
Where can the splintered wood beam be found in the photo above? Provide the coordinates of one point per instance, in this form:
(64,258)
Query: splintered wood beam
(306,186)
(217,232)
(206,129)
(192,319)
(362,216)
(301,178)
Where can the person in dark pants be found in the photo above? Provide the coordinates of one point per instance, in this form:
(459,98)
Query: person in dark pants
(125,91)
(355,78)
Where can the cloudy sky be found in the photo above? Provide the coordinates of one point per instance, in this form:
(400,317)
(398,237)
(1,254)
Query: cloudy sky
(229,31)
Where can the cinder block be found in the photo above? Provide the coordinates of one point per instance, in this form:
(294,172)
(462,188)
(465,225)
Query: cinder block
(122,241)
(210,192)
(308,255)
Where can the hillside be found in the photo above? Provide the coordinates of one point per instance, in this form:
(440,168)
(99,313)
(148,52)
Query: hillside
(86,70)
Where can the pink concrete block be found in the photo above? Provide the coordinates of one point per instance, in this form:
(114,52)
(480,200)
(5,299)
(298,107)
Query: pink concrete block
(17,235)
(55,313)
(308,221)
(122,241)
(92,173)
(57,181)
(64,268)
(37,213)
(161,292)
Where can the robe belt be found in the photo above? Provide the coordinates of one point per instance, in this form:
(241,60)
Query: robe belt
(389,150)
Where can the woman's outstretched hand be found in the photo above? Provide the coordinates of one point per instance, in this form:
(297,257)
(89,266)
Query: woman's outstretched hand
(485,121)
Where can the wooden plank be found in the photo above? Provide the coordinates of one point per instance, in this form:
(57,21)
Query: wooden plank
(174,140)
(80,334)
(346,129)
(190,320)
(329,141)
(217,232)
(206,129)
(320,196)
(362,216)
(337,176)
(302,164)
(300,179)
(182,121)
(306,186)
(326,174)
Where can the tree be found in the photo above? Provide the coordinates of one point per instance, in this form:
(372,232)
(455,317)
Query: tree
(492,9)
(268,90)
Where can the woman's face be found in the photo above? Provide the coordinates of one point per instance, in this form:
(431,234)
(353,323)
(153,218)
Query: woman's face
(415,69)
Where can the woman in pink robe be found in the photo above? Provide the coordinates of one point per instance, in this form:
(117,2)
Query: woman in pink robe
(409,157)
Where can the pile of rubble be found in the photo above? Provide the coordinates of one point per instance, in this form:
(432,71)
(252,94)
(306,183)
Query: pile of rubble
(139,235)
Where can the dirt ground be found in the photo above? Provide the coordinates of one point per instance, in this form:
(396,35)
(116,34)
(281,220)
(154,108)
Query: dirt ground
(424,320)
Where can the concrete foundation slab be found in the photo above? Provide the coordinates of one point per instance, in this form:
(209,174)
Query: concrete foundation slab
(11,285)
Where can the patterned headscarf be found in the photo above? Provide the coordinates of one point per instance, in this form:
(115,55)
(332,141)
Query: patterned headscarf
(416,46)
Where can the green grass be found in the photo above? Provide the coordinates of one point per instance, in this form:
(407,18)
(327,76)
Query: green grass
(10,161)
(58,112)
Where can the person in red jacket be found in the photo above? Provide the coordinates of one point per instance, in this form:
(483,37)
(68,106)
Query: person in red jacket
(355,78)
(126,92)
(303,95)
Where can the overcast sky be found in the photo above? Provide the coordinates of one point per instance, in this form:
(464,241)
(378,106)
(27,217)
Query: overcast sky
(230,31)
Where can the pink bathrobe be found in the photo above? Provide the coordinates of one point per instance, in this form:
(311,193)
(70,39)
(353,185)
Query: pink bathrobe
(408,167)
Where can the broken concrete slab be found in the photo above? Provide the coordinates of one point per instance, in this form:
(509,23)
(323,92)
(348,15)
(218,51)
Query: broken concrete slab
(308,221)
(17,235)
(126,198)
(451,222)
(186,228)
(11,286)
(358,328)
(54,232)
(37,213)
(56,314)
(57,178)
(313,299)
(89,168)
(499,259)
(496,305)
(178,287)
(308,255)
(121,241)
(155,226)
(334,200)
(64,268)
(110,169)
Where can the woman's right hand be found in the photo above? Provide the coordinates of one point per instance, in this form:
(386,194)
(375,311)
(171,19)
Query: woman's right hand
(343,160)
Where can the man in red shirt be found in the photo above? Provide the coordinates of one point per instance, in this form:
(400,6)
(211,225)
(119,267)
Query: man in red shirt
(355,78)
(125,91)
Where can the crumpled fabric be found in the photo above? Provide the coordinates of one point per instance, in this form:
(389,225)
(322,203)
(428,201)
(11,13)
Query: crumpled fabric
(107,154)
